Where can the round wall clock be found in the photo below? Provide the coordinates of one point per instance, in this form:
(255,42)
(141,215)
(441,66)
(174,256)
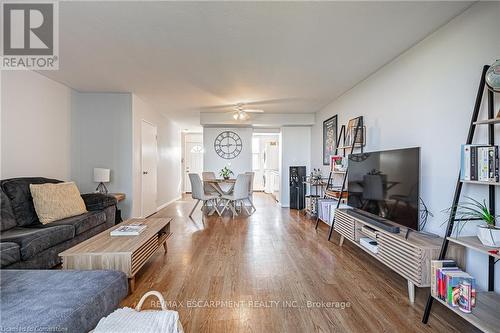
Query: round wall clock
(228,145)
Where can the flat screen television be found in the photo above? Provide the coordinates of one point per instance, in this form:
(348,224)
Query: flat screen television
(385,184)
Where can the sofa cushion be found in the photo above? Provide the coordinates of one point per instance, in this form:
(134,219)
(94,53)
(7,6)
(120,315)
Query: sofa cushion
(57,201)
(7,218)
(33,240)
(83,222)
(18,191)
(98,201)
(62,301)
(9,254)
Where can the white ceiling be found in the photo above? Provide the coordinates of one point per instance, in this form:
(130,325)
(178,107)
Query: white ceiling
(186,57)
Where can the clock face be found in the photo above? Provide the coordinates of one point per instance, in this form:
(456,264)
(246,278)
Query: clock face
(228,145)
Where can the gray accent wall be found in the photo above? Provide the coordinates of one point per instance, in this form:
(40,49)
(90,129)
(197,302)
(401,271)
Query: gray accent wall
(101,137)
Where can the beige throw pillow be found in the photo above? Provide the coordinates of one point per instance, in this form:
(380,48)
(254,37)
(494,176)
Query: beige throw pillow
(57,201)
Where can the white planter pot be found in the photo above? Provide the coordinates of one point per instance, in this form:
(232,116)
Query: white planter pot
(489,236)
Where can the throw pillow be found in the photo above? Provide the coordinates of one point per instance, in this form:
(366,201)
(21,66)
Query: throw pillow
(54,202)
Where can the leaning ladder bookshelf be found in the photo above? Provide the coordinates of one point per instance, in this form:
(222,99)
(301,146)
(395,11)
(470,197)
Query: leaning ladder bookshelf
(343,145)
(484,316)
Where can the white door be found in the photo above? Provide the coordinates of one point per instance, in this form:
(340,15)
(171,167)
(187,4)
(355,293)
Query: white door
(149,151)
(193,157)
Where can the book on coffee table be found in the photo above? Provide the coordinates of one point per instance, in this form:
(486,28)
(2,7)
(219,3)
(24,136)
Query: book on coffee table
(128,230)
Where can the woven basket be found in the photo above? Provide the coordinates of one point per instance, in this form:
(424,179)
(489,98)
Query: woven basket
(127,320)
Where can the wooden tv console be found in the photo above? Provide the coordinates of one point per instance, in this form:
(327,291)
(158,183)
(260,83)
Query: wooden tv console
(410,258)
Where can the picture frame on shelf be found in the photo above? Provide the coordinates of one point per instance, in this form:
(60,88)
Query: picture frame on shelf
(338,163)
(329,138)
(351,131)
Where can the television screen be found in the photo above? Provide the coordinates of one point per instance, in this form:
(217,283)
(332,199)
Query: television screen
(386,184)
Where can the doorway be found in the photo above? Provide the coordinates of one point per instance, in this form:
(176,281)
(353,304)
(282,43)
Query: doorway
(149,165)
(265,163)
(193,157)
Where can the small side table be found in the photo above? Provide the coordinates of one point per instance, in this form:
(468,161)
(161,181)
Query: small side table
(118,215)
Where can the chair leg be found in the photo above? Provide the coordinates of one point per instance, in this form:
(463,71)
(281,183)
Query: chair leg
(225,207)
(216,206)
(251,203)
(233,208)
(245,207)
(195,205)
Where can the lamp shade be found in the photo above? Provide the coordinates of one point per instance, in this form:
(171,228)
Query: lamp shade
(101,175)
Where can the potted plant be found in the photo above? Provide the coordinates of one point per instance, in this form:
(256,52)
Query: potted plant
(473,210)
(226,173)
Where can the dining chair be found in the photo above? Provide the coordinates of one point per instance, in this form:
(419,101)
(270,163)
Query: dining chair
(209,188)
(239,195)
(199,194)
(250,189)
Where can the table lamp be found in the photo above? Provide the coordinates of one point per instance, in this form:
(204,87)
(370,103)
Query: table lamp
(101,176)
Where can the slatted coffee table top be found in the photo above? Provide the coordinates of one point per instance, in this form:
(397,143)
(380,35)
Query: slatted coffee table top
(105,243)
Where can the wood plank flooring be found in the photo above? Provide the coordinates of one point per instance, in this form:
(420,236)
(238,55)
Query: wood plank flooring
(273,272)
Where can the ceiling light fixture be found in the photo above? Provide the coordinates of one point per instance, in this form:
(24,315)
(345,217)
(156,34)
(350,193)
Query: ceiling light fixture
(240,113)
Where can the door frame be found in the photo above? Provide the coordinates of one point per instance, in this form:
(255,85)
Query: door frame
(141,164)
(185,137)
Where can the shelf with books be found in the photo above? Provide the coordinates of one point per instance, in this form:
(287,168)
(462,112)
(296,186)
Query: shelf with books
(484,315)
(335,194)
(479,165)
(472,242)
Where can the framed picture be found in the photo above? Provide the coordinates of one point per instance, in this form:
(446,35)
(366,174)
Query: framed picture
(351,131)
(329,138)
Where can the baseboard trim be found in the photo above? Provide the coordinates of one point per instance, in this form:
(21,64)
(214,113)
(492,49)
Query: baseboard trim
(168,203)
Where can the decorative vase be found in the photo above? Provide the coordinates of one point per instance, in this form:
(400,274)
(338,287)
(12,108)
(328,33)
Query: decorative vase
(489,236)
(493,76)
(226,177)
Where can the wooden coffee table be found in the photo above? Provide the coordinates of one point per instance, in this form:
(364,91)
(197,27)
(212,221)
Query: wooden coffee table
(122,253)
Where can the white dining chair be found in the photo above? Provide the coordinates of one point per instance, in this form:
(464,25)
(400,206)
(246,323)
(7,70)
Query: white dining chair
(199,194)
(238,195)
(250,189)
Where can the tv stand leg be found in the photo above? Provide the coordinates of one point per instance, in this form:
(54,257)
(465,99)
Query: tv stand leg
(341,240)
(411,291)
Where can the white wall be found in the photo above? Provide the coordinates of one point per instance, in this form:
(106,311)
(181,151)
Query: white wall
(169,155)
(425,98)
(102,138)
(35,118)
(213,162)
(295,151)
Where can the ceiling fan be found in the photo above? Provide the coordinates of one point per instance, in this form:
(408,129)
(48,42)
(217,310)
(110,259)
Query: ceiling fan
(241,113)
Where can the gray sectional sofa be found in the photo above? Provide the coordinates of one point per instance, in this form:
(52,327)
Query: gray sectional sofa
(58,301)
(26,243)
(38,300)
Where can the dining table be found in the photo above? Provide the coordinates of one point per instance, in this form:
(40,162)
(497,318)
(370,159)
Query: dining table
(227,184)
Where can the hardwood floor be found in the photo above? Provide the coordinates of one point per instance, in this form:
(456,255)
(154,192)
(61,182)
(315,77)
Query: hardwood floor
(273,272)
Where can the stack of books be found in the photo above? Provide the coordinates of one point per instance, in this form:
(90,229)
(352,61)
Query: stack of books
(128,230)
(446,281)
(480,163)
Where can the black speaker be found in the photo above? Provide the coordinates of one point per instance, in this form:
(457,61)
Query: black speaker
(297,177)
